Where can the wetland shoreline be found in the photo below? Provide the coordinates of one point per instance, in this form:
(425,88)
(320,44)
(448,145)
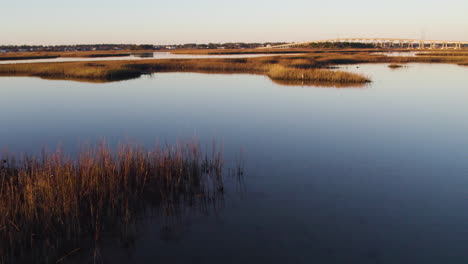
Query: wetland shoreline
(311,67)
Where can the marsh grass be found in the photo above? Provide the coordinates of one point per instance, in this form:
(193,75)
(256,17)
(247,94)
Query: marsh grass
(445,53)
(323,60)
(320,84)
(120,70)
(268,51)
(31,57)
(53,205)
(68,54)
(395,66)
(279,72)
(74,70)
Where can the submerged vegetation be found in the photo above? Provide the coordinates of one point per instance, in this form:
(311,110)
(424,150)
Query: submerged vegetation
(55,205)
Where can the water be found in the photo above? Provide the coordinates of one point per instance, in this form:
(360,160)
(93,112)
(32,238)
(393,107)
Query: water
(333,175)
(399,54)
(155,56)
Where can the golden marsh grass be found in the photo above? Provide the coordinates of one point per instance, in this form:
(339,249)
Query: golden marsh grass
(395,66)
(119,70)
(67,54)
(292,67)
(54,204)
(283,73)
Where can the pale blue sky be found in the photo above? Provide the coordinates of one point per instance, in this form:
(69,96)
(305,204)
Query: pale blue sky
(202,21)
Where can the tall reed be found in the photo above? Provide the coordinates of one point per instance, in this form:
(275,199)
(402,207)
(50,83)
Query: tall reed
(50,205)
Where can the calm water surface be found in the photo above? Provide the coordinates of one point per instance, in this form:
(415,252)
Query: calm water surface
(147,56)
(351,175)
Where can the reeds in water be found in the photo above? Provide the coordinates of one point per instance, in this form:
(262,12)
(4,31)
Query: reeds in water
(279,72)
(279,68)
(50,205)
(395,66)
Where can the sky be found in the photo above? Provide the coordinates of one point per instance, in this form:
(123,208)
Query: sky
(53,22)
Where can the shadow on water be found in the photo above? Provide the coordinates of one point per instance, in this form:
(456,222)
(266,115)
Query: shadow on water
(57,209)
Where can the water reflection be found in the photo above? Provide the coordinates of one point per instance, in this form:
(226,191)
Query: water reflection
(375,175)
(54,206)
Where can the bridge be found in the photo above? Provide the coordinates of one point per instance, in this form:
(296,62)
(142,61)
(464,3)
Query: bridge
(387,42)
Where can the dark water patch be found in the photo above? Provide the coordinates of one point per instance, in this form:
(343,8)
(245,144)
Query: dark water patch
(27,58)
(144,55)
(104,55)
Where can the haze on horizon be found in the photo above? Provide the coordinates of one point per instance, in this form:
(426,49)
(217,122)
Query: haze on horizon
(52,22)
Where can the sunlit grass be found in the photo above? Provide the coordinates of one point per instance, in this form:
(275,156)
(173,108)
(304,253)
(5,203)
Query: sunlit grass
(120,70)
(395,66)
(52,204)
(65,54)
(279,72)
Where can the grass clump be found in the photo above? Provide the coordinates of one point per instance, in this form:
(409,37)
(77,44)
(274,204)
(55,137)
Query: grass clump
(315,75)
(72,70)
(55,204)
(395,66)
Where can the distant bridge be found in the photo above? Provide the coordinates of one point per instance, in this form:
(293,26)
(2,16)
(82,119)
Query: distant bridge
(387,42)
